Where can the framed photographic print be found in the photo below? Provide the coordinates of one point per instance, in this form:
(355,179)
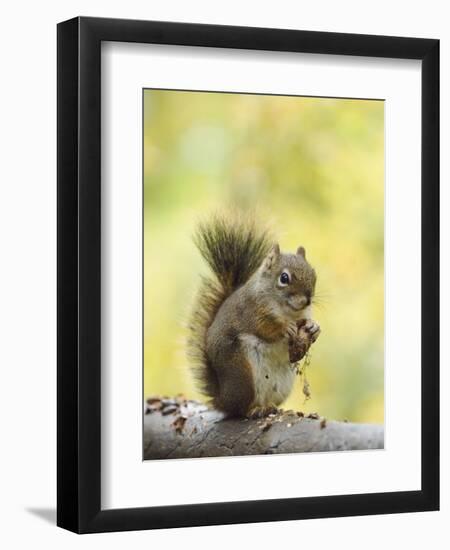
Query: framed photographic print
(248,289)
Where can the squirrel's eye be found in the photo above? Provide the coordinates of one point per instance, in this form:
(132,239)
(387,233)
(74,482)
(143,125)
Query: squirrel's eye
(284,278)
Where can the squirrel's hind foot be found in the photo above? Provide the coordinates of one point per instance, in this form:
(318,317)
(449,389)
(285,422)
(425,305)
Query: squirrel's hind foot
(260,412)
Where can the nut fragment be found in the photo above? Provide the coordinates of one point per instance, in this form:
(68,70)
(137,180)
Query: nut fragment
(170,409)
(179,423)
(266,425)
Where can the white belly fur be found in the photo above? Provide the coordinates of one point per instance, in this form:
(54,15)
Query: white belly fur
(273,374)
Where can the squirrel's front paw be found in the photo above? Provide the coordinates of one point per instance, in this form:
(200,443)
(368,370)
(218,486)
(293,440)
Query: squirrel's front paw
(307,333)
(292,330)
(312,328)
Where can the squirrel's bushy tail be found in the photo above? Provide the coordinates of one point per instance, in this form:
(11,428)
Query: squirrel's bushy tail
(233,248)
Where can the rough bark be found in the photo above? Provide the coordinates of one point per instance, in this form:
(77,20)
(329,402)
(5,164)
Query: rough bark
(178,428)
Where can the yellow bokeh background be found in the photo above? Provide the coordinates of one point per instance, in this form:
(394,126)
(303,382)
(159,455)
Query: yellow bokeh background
(310,168)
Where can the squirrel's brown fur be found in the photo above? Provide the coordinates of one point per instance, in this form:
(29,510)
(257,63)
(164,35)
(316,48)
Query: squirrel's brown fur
(245,314)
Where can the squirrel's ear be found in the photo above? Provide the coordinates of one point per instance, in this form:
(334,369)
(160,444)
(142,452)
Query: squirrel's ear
(301,252)
(271,257)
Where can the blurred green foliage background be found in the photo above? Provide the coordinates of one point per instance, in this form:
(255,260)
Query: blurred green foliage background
(313,170)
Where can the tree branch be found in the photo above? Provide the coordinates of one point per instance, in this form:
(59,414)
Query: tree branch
(178,428)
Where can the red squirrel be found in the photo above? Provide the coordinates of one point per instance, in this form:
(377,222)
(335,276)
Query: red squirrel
(247,318)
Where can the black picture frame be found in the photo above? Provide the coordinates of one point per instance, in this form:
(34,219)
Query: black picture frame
(79,274)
